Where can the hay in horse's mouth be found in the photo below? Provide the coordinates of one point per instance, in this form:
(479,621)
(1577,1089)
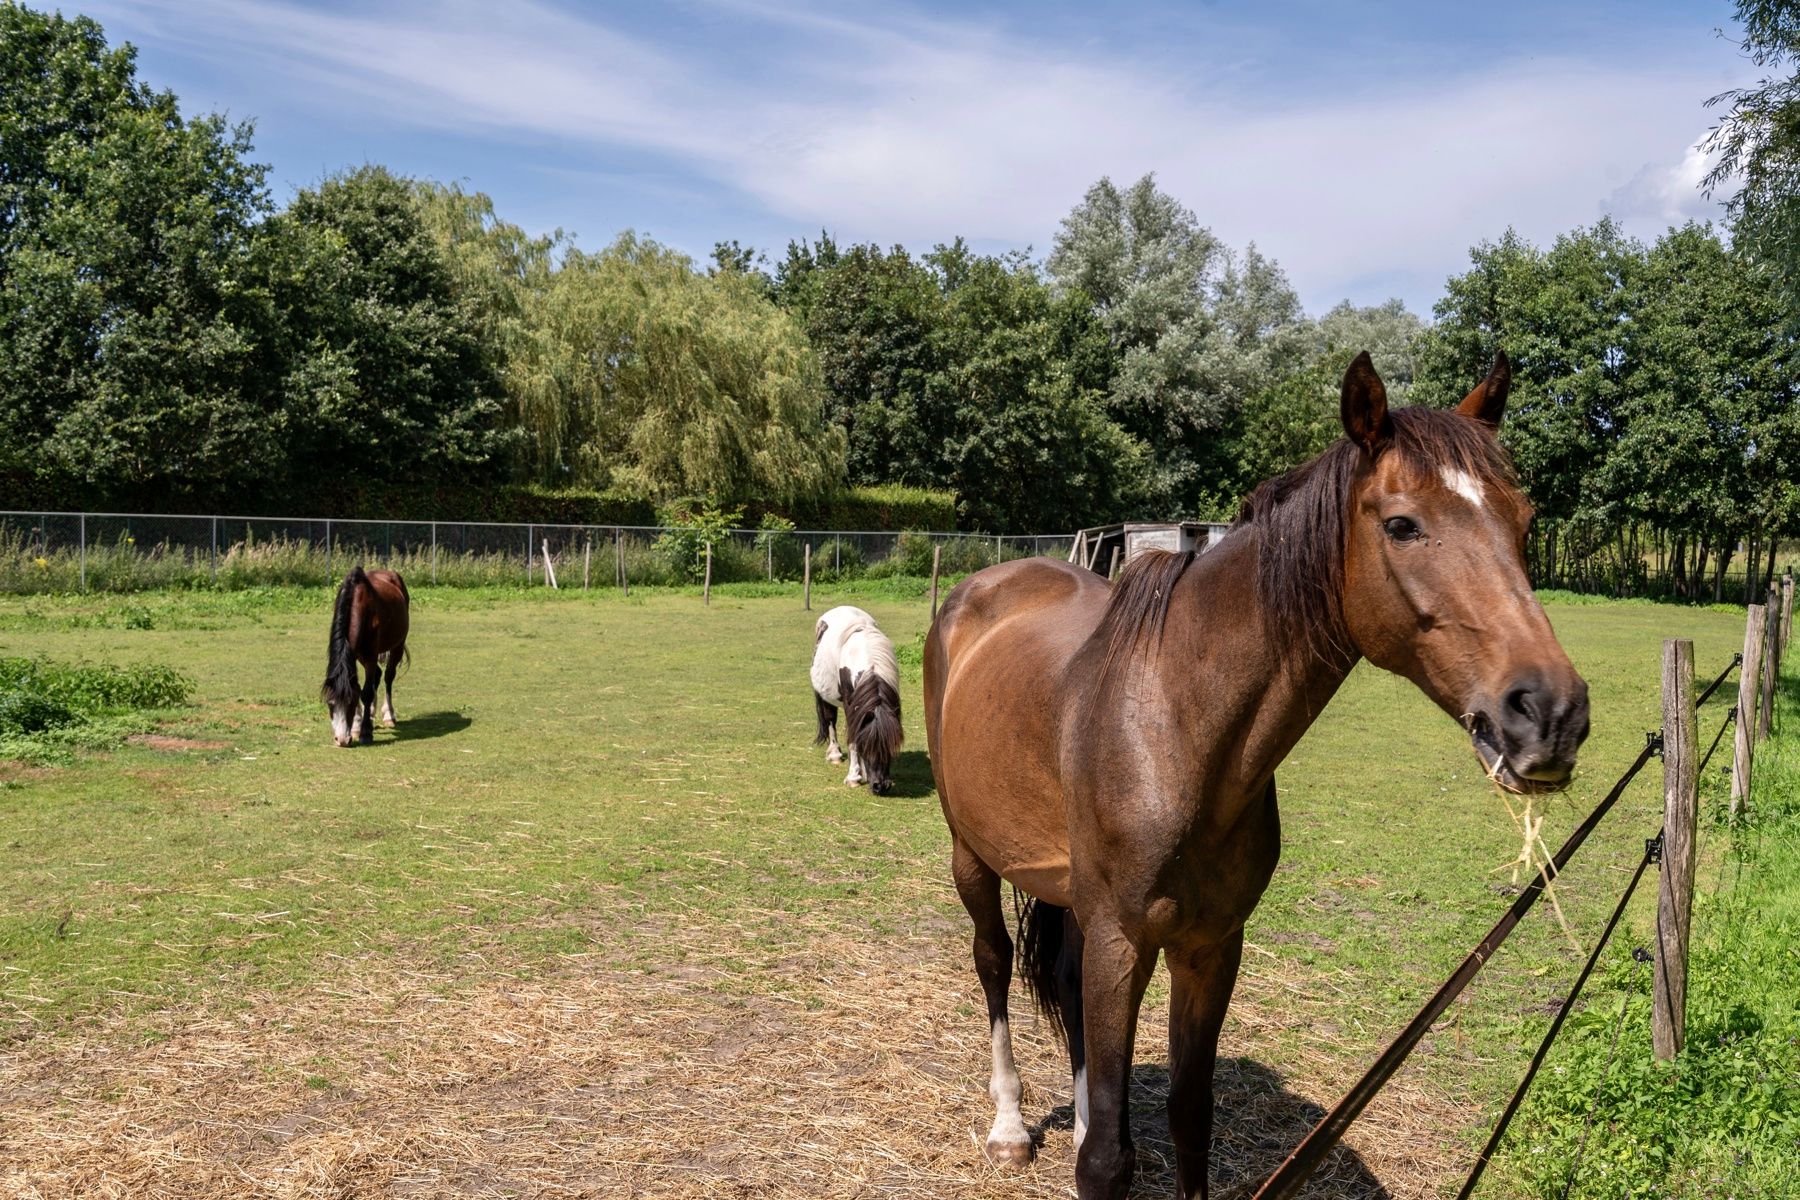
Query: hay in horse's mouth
(1493,761)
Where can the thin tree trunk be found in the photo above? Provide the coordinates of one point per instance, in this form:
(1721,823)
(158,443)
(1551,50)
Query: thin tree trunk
(1753,547)
(1726,548)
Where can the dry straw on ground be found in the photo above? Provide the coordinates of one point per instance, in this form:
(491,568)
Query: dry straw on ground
(832,1066)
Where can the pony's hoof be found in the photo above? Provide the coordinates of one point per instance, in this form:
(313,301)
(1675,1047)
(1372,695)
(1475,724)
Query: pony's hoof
(389,723)
(834,757)
(1008,1154)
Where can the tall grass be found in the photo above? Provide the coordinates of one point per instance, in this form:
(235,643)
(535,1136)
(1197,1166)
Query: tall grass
(1723,1120)
(127,565)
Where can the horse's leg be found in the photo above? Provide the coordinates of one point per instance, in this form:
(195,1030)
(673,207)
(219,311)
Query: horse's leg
(1114,971)
(979,886)
(855,775)
(371,681)
(1068,987)
(387,684)
(833,754)
(1200,988)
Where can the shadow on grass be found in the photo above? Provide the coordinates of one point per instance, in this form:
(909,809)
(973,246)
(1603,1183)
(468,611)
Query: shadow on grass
(430,725)
(1256,1124)
(912,775)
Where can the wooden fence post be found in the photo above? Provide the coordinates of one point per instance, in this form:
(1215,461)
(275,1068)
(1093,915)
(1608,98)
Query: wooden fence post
(619,559)
(1770,664)
(1681,807)
(1749,689)
(806,572)
(1112,570)
(587,558)
(549,571)
(1787,613)
(706,588)
(937,557)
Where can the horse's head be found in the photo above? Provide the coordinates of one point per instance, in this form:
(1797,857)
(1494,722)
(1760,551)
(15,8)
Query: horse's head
(872,711)
(343,703)
(1435,587)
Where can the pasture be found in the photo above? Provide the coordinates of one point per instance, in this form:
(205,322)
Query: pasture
(598,920)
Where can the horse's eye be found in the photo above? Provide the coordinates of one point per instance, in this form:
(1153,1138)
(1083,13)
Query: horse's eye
(1401,529)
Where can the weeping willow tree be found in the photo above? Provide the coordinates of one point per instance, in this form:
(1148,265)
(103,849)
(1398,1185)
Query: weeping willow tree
(632,371)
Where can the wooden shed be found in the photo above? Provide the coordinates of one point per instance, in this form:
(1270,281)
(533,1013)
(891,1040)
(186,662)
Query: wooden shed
(1094,548)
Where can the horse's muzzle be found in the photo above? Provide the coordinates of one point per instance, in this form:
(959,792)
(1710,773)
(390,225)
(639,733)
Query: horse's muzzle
(1529,741)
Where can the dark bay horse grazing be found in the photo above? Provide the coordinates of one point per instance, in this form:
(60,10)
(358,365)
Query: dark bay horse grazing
(368,625)
(854,665)
(1111,749)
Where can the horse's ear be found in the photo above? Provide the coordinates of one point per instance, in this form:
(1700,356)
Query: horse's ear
(1487,401)
(1365,410)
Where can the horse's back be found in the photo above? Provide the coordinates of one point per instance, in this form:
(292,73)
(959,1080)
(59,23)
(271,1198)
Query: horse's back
(386,615)
(995,664)
(829,637)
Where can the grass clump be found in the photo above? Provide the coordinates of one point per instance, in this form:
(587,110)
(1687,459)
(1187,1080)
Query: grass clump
(49,708)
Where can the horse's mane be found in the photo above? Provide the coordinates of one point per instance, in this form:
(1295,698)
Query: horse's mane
(340,656)
(1140,602)
(1298,521)
(872,718)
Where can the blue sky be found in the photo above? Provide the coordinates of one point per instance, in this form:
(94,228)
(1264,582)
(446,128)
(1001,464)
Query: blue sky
(1364,146)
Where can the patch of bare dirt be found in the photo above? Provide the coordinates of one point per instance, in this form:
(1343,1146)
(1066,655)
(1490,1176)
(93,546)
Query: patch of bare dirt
(164,741)
(829,1067)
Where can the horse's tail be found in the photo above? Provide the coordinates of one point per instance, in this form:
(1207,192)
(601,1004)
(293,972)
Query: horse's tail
(827,712)
(1040,949)
(406,598)
(340,664)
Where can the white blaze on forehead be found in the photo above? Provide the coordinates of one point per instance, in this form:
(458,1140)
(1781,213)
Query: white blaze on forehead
(1463,484)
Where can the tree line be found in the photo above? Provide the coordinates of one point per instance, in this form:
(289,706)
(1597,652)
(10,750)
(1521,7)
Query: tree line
(169,334)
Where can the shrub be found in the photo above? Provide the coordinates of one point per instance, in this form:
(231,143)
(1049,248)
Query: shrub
(691,525)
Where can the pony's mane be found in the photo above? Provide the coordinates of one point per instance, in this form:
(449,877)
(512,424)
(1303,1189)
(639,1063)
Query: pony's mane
(1298,521)
(340,657)
(872,718)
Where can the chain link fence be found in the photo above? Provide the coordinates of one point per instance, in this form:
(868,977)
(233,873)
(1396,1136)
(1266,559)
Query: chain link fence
(122,552)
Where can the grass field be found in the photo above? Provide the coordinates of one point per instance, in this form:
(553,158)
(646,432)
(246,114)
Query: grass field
(598,920)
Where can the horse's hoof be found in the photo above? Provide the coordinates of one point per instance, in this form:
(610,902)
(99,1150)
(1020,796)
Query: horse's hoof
(1008,1154)
(389,723)
(834,758)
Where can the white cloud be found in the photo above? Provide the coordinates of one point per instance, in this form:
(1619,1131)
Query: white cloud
(899,129)
(1664,194)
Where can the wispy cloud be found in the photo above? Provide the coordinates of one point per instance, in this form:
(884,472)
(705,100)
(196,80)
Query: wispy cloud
(914,128)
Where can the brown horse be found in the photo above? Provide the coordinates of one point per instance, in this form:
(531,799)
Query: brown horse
(1111,749)
(368,625)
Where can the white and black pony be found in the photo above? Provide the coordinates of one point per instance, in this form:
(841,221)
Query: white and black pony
(853,665)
